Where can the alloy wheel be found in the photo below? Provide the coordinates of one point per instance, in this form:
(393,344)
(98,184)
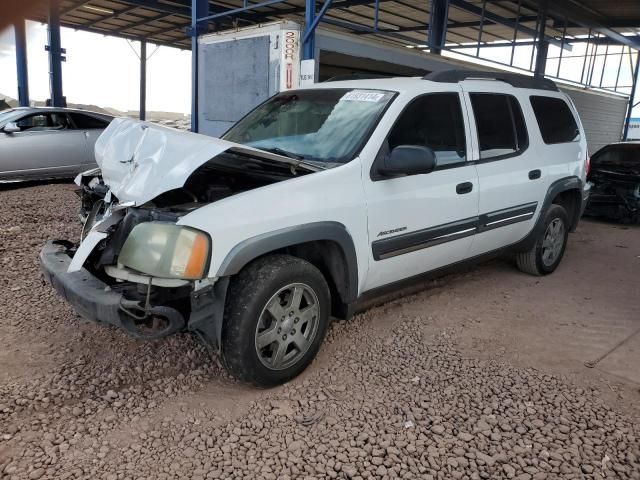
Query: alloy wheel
(553,242)
(287,326)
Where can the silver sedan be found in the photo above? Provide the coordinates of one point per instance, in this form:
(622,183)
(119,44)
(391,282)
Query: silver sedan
(40,143)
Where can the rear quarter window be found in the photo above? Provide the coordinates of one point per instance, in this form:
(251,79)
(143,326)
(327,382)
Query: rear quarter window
(555,119)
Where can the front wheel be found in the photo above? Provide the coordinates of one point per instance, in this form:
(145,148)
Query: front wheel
(544,257)
(275,320)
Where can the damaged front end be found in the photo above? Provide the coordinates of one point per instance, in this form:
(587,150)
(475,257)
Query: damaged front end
(136,268)
(615,195)
(151,291)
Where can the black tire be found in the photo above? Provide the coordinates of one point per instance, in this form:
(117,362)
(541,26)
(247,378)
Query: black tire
(536,261)
(257,286)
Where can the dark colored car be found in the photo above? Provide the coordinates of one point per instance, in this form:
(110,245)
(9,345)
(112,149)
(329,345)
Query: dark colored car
(615,176)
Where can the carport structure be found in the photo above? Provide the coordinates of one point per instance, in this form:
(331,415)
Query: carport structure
(588,43)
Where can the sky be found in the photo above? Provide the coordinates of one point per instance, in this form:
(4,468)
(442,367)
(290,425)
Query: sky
(100,70)
(104,71)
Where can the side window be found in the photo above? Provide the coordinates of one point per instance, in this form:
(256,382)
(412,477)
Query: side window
(557,123)
(500,124)
(434,121)
(43,121)
(87,122)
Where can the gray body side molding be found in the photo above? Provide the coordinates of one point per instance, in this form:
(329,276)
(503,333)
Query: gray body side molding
(254,247)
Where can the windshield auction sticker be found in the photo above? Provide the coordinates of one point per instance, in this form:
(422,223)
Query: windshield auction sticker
(363,96)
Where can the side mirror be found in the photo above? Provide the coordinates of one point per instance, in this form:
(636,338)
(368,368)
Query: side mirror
(408,160)
(11,127)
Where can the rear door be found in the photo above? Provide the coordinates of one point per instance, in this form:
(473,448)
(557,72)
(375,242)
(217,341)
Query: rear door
(512,176)
(45,146)
(419,223)
(91,128)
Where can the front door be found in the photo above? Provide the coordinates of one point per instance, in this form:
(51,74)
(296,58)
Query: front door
(45,146)
(422,222)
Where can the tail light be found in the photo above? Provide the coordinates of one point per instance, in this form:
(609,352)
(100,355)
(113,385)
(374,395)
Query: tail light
(587,164)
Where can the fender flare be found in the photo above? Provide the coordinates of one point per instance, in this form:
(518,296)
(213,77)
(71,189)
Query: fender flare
(254,247)
(557,187)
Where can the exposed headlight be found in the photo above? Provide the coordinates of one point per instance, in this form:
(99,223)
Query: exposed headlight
(166,250)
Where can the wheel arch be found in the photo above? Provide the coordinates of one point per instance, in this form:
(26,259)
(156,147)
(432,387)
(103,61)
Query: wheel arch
(566,192)
(327,245)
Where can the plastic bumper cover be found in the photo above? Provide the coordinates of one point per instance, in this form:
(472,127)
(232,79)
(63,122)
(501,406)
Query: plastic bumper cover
(89,296)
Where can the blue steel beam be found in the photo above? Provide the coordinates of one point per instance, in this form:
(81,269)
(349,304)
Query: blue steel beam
(199,10)
(21,63)
(55,55)
(507,22)
(143,80)
(310,30)
(135,38)
(438,19)
(142,22)
(235,11)
(309,44)
(582,16)
(111,16)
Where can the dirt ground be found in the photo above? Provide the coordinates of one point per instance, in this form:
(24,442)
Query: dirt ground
(478,375)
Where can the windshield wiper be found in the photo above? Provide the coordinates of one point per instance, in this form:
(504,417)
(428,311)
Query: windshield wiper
(283,152)
(300,160)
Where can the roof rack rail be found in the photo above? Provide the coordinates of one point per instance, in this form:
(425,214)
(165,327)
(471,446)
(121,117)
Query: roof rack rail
(513,79)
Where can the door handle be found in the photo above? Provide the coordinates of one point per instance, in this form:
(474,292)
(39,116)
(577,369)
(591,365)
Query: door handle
(463,188)
(534,174)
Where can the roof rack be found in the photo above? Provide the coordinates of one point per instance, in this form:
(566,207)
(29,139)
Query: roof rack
(513,79)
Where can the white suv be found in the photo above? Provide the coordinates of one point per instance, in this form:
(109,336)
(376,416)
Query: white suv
(315,199)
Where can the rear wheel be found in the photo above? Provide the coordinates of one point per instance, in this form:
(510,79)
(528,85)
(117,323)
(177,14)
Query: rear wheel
(275,320)
(545,256)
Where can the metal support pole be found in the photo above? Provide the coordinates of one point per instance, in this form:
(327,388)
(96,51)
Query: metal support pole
(56,55)
(143,79)
(604,65)
(542,45)
(199,9)
(439,16)
(564,36)
(515,33)
(21,63)
(309,41)
(586,54)
(484,9)
(615,89)
(632,96)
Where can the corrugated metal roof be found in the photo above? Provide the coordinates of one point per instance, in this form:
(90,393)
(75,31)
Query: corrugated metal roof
(165,22)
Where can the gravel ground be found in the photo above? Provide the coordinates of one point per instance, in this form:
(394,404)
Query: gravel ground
(390,396)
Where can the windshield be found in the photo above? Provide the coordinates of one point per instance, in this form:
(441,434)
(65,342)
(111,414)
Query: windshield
(6,114)
(324,125)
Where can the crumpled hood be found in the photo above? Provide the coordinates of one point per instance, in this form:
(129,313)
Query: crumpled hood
(141,160)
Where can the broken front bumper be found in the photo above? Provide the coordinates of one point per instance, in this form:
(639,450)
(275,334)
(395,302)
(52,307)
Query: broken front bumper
(89,296)
(95,300)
